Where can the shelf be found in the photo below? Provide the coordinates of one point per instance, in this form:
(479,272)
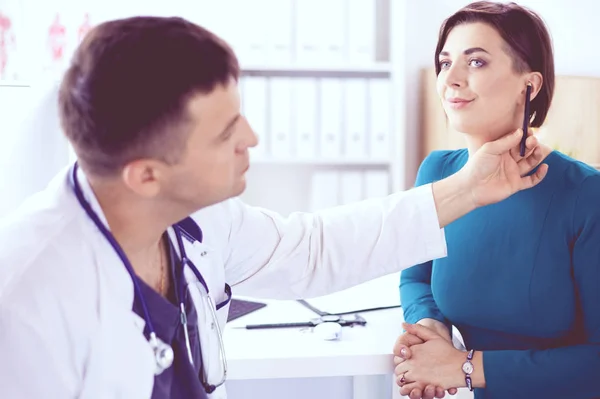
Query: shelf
(374,70)
(320,161)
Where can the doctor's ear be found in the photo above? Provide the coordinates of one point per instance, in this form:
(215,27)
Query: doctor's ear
(142,177)
(535,80)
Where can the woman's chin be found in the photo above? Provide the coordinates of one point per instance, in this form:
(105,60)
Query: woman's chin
(465,128)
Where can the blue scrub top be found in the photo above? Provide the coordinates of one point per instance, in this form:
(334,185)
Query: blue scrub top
(181,380)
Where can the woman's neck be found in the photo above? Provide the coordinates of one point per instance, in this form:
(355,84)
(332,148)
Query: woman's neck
(475,142)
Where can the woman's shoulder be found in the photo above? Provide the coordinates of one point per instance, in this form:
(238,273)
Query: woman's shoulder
(578,178)
(574,171)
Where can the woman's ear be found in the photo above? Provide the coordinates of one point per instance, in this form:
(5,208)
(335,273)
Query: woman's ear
(536,80)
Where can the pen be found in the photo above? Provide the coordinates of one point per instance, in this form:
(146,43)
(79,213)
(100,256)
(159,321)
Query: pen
(277,325)
(526,118)
(356,321)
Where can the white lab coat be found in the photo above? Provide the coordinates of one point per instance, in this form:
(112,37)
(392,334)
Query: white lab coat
(67,329)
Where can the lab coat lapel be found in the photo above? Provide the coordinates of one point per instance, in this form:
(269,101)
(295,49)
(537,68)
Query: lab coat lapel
(120,330)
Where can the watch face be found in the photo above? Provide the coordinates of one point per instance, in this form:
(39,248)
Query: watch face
(467,367)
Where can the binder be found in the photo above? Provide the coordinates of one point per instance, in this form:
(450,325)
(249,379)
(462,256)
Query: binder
(254,103)
(243,24)
(324,190)
(331,26)
(351,186)
(361,31)
(308,46)
(305,114)
(355,121)
(279,31)
(280,113)
(331,117)
(380,122)
(377,183)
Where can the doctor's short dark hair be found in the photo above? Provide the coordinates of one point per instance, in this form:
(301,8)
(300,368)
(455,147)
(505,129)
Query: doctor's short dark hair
(528,40)
(125,94)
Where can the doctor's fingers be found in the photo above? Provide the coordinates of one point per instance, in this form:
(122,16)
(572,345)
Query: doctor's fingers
(530,161)
(531,143)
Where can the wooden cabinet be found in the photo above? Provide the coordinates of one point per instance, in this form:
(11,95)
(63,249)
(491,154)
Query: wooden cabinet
(572,125)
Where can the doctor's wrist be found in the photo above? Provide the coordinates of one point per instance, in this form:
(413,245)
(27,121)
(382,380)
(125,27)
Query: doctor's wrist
(453,198)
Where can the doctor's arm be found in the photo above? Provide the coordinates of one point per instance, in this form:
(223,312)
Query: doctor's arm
(30,366)
(312,254)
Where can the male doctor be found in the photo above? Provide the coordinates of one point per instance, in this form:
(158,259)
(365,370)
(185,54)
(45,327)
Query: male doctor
(108,289)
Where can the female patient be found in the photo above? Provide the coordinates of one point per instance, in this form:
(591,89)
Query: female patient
(522,278)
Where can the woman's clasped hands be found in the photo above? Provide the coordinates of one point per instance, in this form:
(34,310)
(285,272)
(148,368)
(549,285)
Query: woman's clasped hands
(427,365)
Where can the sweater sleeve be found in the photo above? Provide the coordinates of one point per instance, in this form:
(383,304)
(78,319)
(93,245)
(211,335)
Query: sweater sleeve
(566,372)
(415,282)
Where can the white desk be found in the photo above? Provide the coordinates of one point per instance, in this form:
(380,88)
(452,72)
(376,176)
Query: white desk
(364,353)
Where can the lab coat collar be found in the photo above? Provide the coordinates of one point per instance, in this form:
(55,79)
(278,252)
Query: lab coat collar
(109,264)
(90,197)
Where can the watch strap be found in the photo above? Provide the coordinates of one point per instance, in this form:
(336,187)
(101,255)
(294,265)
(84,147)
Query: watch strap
(468,380)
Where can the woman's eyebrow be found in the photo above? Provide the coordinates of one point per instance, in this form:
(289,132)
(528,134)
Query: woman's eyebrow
(467,51)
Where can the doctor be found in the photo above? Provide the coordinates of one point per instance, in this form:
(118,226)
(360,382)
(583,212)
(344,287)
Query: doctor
(110,289)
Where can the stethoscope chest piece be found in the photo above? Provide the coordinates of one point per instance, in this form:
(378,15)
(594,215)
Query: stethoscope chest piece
(163,354)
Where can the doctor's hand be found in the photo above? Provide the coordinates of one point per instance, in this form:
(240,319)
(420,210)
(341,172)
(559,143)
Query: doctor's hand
(493,173)
(433,363)
(497,171)
(402,352)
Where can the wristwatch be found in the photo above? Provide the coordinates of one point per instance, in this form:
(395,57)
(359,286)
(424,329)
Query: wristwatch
(467,368)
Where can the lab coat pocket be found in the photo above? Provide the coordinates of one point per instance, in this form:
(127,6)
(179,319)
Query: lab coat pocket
(223,306)
(211,298)
(210,328)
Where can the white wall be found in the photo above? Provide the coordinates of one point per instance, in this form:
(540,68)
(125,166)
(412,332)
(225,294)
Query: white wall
(32,149)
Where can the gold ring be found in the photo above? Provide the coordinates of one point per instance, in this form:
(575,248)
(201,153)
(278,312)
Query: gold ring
(403,380)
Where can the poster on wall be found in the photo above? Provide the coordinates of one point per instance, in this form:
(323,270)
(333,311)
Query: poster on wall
(12,43)
(58,27)
(55,30)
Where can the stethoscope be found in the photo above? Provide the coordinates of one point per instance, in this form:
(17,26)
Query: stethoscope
(163,352)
